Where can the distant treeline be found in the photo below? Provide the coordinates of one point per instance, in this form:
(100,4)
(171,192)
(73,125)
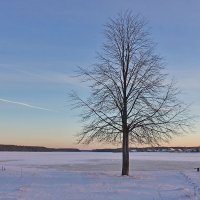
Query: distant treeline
(35,149)
(152,149)
(135,149)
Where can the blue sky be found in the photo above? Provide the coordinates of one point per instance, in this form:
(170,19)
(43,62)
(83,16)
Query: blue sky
(43,41)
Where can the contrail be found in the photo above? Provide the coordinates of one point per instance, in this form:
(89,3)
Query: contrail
(25,104)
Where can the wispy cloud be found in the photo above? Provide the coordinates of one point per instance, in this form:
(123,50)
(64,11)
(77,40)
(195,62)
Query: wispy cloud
(26,105)
(16,74)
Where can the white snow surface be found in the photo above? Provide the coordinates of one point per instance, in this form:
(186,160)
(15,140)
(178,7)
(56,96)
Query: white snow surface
(96,176)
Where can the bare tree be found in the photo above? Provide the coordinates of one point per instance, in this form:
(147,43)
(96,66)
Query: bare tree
(131,99)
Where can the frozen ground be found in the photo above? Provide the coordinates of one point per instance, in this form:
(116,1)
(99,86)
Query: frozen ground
(96,176)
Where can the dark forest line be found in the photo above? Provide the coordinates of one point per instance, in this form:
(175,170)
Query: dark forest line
(114,150)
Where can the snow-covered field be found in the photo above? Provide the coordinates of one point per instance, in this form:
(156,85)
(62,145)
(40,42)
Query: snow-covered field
(96,176)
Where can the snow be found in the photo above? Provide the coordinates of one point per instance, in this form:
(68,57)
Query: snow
(96,176)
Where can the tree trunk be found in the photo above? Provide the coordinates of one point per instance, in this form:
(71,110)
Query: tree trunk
(125,154)
(125,146)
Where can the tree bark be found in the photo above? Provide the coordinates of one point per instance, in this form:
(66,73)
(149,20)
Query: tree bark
(125,153)
(125,143)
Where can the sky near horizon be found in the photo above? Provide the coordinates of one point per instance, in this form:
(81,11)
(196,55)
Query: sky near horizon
(43,41)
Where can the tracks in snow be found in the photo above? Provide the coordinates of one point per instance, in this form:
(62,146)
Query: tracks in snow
(192,180)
